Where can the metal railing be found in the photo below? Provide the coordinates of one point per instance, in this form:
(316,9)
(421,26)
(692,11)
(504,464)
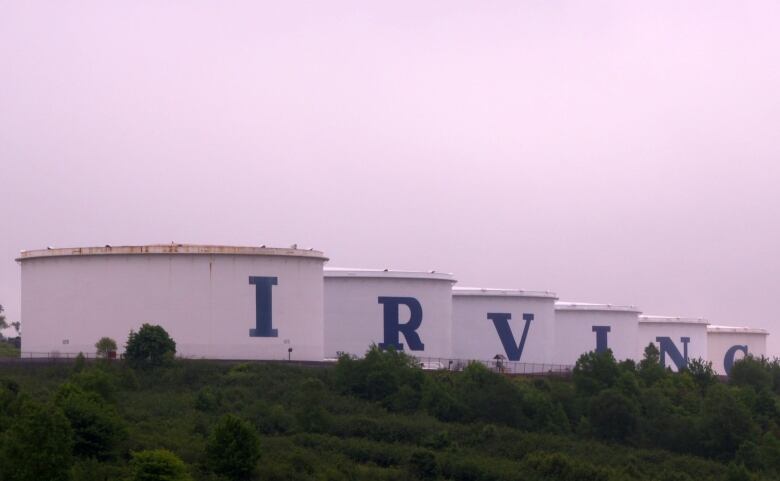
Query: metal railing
(498,365)
(427,363)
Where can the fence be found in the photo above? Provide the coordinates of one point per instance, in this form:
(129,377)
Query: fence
(498,365)
(427,363)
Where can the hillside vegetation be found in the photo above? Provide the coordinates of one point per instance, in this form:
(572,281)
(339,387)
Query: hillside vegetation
(383,418)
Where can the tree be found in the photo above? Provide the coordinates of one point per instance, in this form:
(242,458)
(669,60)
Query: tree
(613,416)
(97,426)
(158,465)
(37,446)
(595,371)
(751,371)
(3,323)
(650,368)
(233,448)
(151,346)
(105,346)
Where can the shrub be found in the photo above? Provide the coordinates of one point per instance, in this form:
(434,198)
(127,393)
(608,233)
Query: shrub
(37,446)
(151,346)
(158,465)
(233,448)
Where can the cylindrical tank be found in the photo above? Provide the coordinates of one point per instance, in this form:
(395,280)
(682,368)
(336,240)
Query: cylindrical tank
(405,310)
(726,344)
(679,339)
(583,327)
(507,324)
(215,301)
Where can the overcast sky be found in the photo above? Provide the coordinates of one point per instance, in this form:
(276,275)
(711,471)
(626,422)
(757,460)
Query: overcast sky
(607,151)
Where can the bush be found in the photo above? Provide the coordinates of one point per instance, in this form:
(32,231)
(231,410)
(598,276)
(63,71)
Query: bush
(151,346)
(37,446)
(233,448)
(158,465)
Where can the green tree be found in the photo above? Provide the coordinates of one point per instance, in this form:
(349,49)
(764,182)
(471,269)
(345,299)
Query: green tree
(751,371)
(158,465)
(233,448)
(595,371)
(151,346)
(613,416)
(105,346)
(3,323)
(727,422)
(650,368)
(702,373)
(37,446)
(97,427)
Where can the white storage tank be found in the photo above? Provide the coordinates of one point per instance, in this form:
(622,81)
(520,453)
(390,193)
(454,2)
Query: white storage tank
(514,324)
(218,302)
(726,344)
(679,339)
(407,310)
(583,327)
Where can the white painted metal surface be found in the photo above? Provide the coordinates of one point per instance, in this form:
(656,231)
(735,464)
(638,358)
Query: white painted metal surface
(200,294)
(516,324)
(359,304)
(579,325)
(726,344)
(675,330)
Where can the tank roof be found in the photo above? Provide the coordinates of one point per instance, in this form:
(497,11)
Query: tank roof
(736,330)
(170,249)
(342,272)
(672,320)
(588,306)
(494,292)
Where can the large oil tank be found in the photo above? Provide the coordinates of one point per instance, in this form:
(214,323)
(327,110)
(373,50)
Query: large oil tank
(679,339)
(510,324)
(217,302)
(583,327)
(726,344)
(409,311)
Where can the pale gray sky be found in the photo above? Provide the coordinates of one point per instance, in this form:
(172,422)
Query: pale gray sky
(609,151)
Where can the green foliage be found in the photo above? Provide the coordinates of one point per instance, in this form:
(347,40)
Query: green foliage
(151,346)
(158,465)
(727,423)
(105,346)
(702,373)
(386,376)
(3,323)
(650,369)
(752,371)
(37,446)
(595,371)
(339,423)
(233,448)
(613,416)
(97,427)
(422,464)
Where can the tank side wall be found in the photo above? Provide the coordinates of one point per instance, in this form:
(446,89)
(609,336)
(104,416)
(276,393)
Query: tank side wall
(205,302)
